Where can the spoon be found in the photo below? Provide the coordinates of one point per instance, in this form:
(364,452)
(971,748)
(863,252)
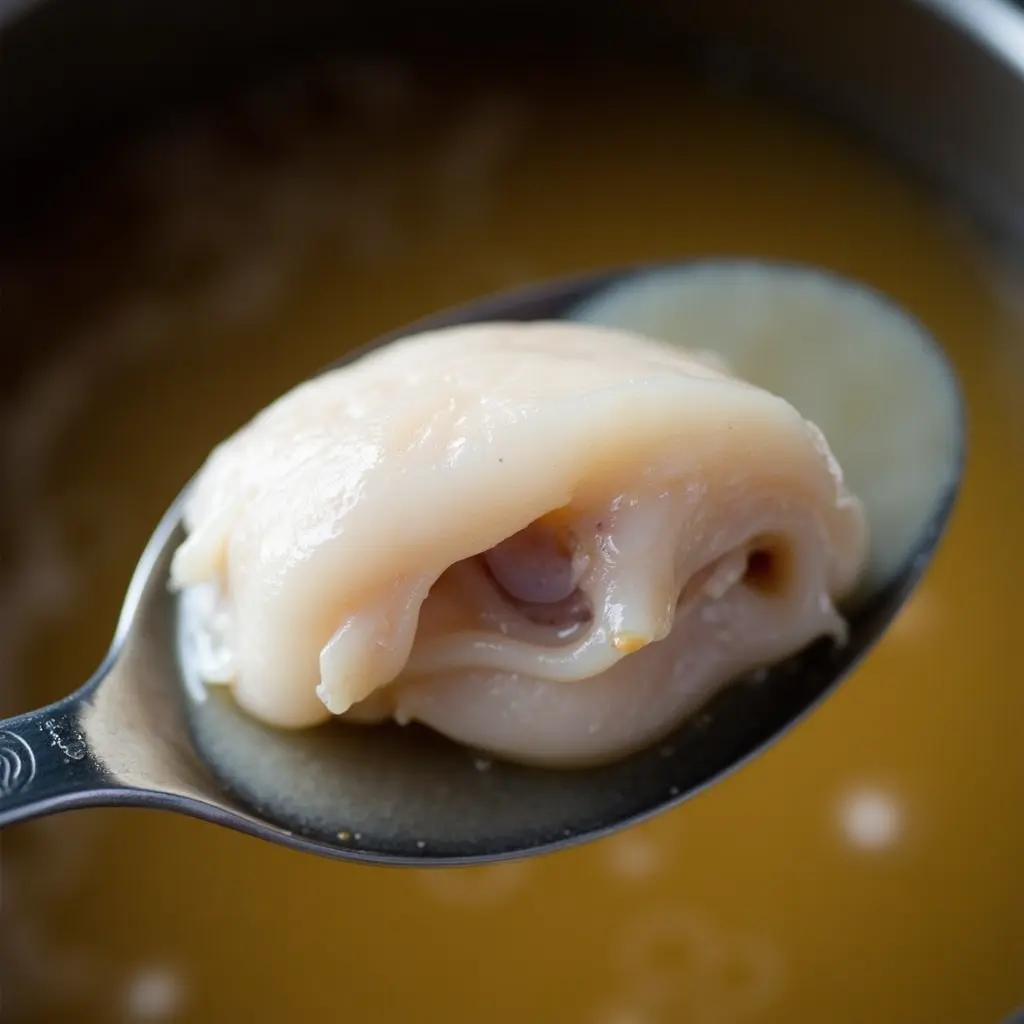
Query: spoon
(142,732)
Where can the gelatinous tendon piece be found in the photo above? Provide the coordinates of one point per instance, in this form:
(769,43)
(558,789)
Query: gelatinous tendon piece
(551,541)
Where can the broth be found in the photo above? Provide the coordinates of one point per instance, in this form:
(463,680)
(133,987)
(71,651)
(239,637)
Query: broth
(865,868)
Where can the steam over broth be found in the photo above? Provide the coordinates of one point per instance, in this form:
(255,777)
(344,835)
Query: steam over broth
(866,867)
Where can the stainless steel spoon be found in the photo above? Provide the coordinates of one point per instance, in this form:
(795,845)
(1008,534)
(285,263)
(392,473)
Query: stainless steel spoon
(131,735)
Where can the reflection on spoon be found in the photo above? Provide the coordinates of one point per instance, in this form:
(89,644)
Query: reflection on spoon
(132,735)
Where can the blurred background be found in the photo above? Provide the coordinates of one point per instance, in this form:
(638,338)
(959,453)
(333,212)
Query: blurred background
(200,206)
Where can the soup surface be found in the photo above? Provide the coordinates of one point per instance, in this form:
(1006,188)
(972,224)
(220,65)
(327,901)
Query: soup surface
(868,867)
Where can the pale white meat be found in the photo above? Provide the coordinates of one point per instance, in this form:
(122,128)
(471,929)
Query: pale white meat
(551,541)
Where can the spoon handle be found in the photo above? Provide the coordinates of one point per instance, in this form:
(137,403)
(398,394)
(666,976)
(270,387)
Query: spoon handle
(46,765)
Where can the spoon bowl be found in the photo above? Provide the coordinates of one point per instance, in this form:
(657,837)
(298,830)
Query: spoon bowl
(143,731)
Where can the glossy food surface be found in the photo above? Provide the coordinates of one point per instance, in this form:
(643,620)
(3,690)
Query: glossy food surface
(549,541)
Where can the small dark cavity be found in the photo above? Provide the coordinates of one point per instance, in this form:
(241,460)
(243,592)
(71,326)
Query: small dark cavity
(768,567)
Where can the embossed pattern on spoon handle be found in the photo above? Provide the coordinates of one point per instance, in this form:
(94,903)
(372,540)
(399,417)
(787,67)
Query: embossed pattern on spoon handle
(46,764)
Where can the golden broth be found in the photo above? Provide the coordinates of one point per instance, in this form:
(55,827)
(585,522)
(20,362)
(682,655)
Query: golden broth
(868,867)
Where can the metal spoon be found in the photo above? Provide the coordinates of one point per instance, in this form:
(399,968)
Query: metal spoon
(131,735)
